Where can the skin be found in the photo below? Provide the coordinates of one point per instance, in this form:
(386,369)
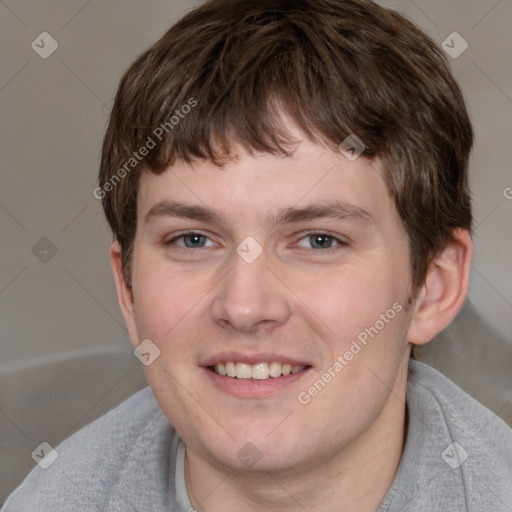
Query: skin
(341,450)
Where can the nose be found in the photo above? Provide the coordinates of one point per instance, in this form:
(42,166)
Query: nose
(250,297)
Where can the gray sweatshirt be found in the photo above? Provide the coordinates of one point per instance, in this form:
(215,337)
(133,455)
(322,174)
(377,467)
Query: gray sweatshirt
(457,457)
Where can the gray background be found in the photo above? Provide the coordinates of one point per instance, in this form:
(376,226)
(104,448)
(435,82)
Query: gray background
(65,353)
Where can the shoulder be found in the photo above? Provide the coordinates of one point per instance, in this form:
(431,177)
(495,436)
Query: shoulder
(464,448)
(132,442)
(457,411)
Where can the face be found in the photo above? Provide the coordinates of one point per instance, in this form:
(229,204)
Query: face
(291,275)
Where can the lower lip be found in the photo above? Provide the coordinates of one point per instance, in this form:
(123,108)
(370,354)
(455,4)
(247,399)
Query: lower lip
(254,388)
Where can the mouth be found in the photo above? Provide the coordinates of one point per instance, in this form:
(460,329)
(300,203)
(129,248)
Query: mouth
(254,375)
(246,375)
(258,371)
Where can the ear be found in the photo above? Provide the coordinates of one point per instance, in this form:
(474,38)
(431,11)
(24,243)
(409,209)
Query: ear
(124,292)
(444,290)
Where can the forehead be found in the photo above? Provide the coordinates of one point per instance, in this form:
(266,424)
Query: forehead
(314,181)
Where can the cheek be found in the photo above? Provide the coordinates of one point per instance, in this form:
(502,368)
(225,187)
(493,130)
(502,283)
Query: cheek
(354,297)
(162,299)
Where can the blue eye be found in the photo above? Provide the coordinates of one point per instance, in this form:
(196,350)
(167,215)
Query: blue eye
(191,240)
(321,241)
(313,240)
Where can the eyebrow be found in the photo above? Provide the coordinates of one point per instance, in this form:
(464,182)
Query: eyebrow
(336,210)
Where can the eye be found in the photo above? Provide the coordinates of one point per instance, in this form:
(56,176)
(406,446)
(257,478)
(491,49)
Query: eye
(319,240)
(190,240)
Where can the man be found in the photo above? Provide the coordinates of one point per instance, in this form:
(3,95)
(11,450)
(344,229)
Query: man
(287,187)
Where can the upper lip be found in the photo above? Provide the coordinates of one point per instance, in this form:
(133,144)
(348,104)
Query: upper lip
(240,357)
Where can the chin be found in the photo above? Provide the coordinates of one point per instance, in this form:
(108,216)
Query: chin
(256,450)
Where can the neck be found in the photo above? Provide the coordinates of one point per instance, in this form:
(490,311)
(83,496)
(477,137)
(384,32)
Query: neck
(356,478)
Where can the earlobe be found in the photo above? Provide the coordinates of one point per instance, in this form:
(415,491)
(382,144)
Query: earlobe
(444,290)
(124,292)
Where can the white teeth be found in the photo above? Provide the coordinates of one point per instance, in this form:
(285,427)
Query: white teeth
(243,371)
(275,369)
(230,369)
(259,371)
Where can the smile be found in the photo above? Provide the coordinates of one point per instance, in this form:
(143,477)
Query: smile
(258,371)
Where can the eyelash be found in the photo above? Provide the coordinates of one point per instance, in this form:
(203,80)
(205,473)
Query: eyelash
(341,243)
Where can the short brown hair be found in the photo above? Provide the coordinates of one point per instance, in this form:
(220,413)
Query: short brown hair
(335,68)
